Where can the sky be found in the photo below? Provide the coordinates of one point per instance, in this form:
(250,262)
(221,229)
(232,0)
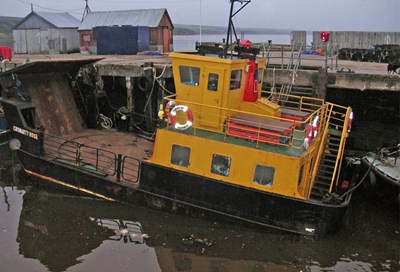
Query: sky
(317,15)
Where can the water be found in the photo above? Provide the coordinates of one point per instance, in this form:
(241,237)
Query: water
(188,42)
(47,230)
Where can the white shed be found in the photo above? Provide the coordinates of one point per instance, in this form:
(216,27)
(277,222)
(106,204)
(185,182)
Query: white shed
(46,33)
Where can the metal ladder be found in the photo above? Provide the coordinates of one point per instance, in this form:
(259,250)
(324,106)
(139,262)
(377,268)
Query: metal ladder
(331,158)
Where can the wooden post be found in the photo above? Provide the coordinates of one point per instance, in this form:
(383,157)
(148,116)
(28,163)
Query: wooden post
(322,82)
(129,102)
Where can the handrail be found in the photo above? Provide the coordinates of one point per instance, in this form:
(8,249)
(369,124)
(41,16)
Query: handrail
(339,157)
(329,116)
(294,139)
(92,159)
(328,112)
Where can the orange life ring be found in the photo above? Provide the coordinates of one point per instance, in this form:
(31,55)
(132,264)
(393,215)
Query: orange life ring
(189,114)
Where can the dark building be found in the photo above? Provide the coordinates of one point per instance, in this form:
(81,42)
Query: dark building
(157,20)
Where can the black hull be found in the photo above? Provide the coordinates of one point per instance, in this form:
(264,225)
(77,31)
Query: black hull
(170,190)
(304,217)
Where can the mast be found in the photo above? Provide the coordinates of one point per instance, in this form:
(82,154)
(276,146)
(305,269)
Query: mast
(86,10)
(231,27)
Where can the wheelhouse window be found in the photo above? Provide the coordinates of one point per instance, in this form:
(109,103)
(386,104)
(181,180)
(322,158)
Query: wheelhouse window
(236,79)
(189,75)
(212,84)
(29,117)
(220,165)
(180,155)
(264,175)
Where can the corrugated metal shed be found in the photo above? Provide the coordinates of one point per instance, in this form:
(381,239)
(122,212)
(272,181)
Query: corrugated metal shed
(144,17)
(46,32)
(57,20)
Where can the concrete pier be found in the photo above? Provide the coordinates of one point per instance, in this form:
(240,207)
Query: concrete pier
(373,94)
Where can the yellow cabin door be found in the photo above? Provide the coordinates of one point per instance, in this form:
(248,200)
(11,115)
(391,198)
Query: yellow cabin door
(212,97)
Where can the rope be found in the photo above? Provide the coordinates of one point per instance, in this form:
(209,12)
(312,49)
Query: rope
(105,122)
(362,180)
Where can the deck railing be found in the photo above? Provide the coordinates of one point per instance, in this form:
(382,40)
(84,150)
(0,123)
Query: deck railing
(337,119)
(91,159)
(211,121)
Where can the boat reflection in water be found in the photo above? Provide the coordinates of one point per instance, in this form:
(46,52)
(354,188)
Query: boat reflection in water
(43,230)
(62,234)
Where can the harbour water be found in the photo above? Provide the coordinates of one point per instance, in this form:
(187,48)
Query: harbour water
(48,230)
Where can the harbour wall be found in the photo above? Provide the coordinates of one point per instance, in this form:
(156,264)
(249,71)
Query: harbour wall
(347,39)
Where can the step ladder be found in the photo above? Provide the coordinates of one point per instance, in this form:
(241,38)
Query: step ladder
(326,169)
(331,157)
(293,65)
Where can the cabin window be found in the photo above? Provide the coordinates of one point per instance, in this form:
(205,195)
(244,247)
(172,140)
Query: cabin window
(180,155)
(236,79)
(189,75)
(212,82)
(220,165)
(264,175)
(29,117)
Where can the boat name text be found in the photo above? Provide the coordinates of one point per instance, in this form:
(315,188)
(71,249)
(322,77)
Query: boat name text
(26,132)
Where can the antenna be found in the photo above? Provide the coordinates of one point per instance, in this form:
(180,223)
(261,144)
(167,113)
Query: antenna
(86,11)
(231,27)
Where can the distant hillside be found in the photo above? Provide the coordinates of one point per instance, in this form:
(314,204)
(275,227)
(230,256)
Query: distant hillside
(6,26)
(195,29)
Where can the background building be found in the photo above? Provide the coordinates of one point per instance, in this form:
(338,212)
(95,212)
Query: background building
(157,20)
(46,32)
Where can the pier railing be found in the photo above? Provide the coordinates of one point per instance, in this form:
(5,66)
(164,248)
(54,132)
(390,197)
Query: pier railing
(301,55)
(285,56)
(97,161)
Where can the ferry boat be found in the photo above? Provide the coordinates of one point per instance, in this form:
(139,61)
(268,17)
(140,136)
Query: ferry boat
(224,146)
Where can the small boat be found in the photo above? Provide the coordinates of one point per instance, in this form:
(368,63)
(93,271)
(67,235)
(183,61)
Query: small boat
(382,173)
(223,146)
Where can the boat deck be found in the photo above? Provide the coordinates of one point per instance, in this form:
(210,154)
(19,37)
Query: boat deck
(101,152)
(294,150)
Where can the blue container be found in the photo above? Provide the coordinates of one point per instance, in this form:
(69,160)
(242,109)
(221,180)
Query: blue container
(128,40)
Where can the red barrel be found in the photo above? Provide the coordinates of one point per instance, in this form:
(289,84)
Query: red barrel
(6,52)
(325,36)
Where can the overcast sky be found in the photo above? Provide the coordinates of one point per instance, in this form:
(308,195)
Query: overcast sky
(339,15)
